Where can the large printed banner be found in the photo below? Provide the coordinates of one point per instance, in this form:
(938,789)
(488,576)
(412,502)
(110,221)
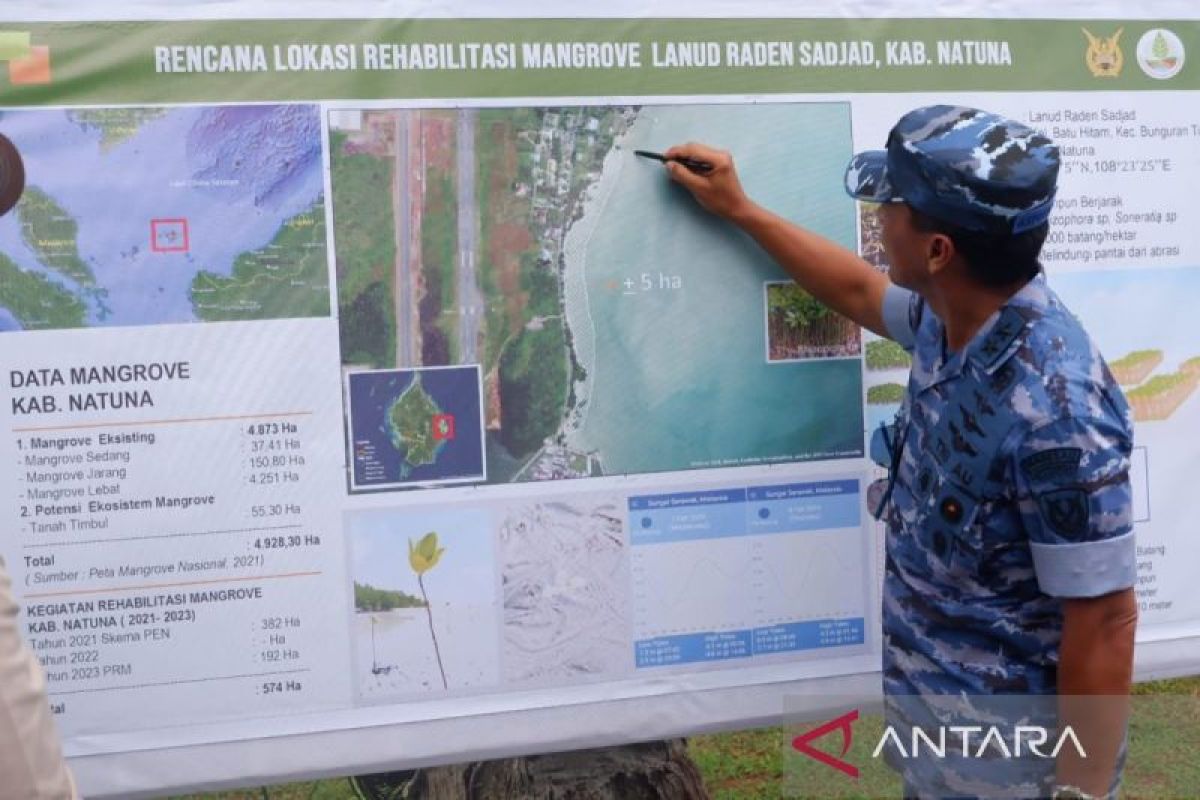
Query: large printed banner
(366,401)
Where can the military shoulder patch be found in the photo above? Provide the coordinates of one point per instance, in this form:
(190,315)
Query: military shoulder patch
(1048,465)
(1066,511)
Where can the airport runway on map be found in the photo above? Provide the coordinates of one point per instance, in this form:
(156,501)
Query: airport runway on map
(402,206)
(468,295)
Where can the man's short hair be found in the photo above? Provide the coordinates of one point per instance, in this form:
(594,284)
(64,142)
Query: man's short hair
(992,259)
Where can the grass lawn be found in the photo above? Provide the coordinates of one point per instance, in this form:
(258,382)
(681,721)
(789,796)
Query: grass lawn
(749,765)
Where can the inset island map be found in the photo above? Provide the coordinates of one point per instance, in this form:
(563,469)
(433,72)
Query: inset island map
(413,427)
(618,328)
(145,216)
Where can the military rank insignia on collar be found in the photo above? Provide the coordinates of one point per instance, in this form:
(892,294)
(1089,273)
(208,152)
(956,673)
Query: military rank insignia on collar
(998,342)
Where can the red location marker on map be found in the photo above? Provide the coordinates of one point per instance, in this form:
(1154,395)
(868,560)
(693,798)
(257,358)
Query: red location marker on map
(443,427)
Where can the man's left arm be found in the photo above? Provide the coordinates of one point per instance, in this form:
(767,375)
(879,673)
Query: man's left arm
(1095,670)
(1076,502)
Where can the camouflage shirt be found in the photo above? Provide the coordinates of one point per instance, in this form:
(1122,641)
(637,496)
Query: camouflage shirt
(1009,492)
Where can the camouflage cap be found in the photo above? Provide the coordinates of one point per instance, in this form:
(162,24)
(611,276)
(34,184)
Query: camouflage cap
(963,166)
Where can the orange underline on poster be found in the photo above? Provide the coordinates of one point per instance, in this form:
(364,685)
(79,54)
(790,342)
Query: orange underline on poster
(180,421)
(174,585)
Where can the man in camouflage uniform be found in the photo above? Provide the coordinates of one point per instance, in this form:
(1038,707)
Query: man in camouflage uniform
(1010,553)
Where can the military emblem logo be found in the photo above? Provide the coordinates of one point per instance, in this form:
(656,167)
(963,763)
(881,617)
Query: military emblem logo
(1066,511)
(1104,58)
(1160,54)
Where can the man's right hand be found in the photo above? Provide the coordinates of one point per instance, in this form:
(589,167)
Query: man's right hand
(829,272)
(718,190)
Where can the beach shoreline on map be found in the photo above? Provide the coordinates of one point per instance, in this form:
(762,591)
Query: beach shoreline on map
(581,333)
(644,273)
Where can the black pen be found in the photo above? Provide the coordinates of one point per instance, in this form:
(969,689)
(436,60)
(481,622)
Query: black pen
(695,165)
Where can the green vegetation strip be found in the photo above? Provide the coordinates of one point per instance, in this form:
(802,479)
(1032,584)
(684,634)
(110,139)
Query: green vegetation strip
(439,234)
(116,125)
(52,234)
(885,394)
(533,383)
(369,598)
(287,278)
(36,302)
(797,308)
(759,764)
(1160,384)
(886,354)
(1135,358)
(365,233)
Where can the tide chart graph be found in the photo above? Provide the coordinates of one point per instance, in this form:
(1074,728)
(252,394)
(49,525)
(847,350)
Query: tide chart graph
(747,572)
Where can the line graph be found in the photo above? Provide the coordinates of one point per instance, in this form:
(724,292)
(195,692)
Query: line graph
(810,576)
(691,587)
(747,582)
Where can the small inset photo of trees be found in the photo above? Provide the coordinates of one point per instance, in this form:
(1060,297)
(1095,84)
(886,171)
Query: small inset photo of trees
(799,327)
(870,236)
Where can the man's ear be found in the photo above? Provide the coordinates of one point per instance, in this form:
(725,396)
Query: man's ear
(939,252)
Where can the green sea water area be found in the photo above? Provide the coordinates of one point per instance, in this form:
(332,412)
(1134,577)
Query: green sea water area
(666,304)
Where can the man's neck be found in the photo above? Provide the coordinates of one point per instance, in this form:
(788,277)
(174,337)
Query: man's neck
(964,306)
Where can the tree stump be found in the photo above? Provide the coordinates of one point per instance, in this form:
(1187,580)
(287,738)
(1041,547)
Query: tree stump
(650,771)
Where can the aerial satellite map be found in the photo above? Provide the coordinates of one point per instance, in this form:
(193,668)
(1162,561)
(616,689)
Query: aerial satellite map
(143,216)
(415,426)
(617,328)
